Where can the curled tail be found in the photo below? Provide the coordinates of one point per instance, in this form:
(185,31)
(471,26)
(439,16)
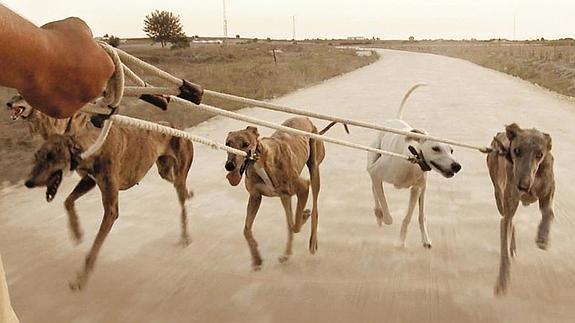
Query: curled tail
(405,97)
(324,130)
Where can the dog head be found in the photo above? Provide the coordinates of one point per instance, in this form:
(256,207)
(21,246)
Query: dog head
(245,140)
(58,155)
(527,150)
(437,156)
(18,108)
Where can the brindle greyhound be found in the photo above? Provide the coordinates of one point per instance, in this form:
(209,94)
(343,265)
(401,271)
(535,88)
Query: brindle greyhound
(279,161)
(521,169)
(122,162)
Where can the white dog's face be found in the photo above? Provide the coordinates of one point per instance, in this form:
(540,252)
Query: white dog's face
(19,108)
(440,158)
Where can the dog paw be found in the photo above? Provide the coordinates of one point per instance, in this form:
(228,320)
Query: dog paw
(283,259)
(77,239)
(185,241)
(500,289)
(256,267)
(542,243)
(399,244)
(312,246)
(77,284)
(427,245)
(382,217)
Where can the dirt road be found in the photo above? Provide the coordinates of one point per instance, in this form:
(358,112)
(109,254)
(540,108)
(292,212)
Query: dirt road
(358,275)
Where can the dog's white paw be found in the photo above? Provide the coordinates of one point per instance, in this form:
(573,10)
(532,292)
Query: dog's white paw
(382,217)
(312,246)
(400,244)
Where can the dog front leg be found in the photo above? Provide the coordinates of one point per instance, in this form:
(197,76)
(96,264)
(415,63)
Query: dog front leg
(315,187)
(422,222)
(183,195)
(253,207)
(381,209)
(413,197)
(85,185)
(504,263)
(547,215)
(110,202)
(286,202)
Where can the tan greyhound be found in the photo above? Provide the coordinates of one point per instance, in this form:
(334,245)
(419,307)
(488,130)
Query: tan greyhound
(275,171)
(122,162)
(42,124)
(521,169)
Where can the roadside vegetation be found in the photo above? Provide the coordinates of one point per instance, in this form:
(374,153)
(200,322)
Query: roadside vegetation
(245,68)
(550,64)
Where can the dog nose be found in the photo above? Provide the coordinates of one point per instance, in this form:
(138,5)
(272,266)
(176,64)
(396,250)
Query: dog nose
(9,104)
(523,187)
(29,184)
(230,166)
(456,167)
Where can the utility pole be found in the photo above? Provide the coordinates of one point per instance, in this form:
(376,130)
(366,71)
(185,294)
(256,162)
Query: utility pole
(225,21)
(514,26)
(293,27)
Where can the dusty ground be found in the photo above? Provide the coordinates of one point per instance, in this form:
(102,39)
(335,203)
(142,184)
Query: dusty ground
(358,275)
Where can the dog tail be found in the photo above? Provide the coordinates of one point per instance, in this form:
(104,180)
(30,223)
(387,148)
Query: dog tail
(324,130)
(405,97)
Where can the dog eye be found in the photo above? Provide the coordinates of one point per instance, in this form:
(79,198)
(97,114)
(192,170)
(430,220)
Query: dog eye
(436,149)
(517,152)
(452,150)
(245,145)
(50,156)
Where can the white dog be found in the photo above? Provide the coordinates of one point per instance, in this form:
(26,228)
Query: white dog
(403,174)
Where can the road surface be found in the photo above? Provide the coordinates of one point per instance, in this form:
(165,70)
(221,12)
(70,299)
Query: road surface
(358,275)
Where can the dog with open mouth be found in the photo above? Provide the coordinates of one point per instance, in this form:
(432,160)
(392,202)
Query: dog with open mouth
(403,174)
(122,162)
(273,169)
(42,124)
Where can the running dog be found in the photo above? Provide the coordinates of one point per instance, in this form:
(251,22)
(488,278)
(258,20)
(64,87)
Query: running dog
(403,174)
(273,169)
(121,163)
(41,124)
(521,169)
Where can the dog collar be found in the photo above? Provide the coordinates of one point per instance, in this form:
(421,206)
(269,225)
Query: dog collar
(251,159)
(420,159)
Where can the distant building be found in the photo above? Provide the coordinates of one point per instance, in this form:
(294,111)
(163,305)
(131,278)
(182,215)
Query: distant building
(356,38)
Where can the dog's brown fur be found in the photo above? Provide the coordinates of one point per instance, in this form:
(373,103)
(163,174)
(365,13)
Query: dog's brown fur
(122,162)
(42,124)
(283,157)
(521,169)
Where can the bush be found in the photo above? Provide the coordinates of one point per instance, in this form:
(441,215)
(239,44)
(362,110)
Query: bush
(113,41)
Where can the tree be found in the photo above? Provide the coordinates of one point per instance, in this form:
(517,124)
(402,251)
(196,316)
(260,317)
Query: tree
(164,27)
(113,41)
(411,38)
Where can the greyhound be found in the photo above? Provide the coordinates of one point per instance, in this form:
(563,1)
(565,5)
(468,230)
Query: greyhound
(521,169)
(41,124)
(122,162)
(403,174)
(273,170)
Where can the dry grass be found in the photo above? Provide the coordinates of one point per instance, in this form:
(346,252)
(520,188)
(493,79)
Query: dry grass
(242,69)
(550,64)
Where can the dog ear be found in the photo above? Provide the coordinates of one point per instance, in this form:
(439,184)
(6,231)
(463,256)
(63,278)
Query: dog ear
(512,130)
(548,140)
(417,131)
(253,130)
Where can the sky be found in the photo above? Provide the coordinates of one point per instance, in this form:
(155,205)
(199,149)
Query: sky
(386,19)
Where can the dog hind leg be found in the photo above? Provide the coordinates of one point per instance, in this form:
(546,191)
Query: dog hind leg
(301,215)
(313,166)
(381,209)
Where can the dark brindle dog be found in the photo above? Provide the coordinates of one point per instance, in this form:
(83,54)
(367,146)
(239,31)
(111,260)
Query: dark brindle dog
(122,162)
(521,169)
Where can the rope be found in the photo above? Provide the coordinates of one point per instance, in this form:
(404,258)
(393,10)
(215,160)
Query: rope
(236,116)
(357,123)
(129,59)
(151,126)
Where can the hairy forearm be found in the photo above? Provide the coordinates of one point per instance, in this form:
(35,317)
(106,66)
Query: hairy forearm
(22,48)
